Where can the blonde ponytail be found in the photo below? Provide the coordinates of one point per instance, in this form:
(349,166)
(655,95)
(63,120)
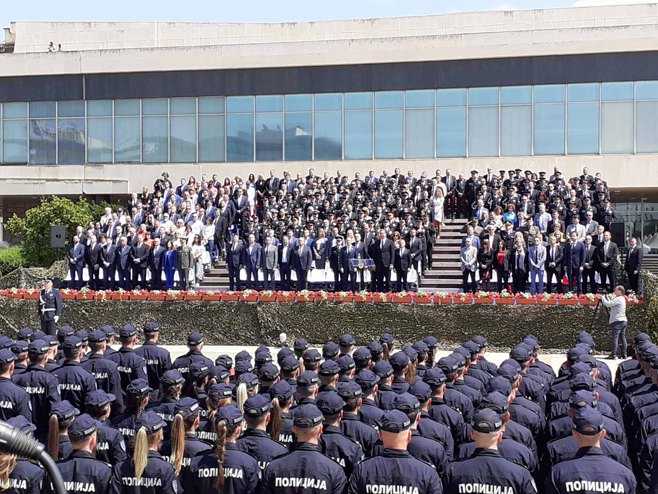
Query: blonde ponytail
(177,442)
(276,417)
(220,451)
(7,465)
(53,437)
(141,453)
(241,395)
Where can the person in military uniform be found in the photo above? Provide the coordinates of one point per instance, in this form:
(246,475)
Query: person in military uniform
(74,382)
(105,371)
(50,306)
(158,359)
(130,365)
(305,470)
(195,345)
(110,444)
(14,400)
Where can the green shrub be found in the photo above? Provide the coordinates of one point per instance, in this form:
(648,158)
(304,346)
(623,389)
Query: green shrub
(11,258)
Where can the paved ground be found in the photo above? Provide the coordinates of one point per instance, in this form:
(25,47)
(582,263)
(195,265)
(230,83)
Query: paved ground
(555,360)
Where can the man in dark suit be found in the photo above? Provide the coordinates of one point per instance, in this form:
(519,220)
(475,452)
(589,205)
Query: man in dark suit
(335,263)
(383,254)
(139,256)
(451,196)
(270,263)
(633,265)
(156,257)
(589,266)
(416,251)
(554,258)
(108,262)
(225,216)
(252,262)
(50,308)
(92,259)
(234,262)
(285,262)
(402,265)
(123,263)
(76,258)
(302,260)
(574,258)
(608,255)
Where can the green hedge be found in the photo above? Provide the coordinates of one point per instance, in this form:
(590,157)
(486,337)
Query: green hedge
(240,323)
(11,258)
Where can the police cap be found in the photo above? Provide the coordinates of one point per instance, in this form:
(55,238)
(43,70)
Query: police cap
(220,391)
(329,368)
(109,330)
(97,336)
(346,363)
(38,335)
(65,332)
(639,338)
(509,372)
(495,401)
(289,364)
(307,379)
(376,349)
(431,341)
(587,421)
(199,370)
(361,356)
(82,334)
(480,340)
(187,407)
(64,410)
(448,365)
(330,350)
(151,327)
(499,384)
(25,333)
(573,354)
(487,421)
(282,390)
(225,361)
(581,381)
(386,339)
(367,379)
(172,377)
(263,358)
(329,402)
(230,414)
(242,366)
(82,427)
(22,424)
(19,347)
(411,353)
(249,379)
(307,417)
(151,422)
(98,399)
(6,356)
(383,369)
(473,347)
(349,390)
(195,339)
(257,406)
(38,347)
(394,421)
(127,331)
(435,377)
(579,368)
(300,344)
(589,360)
(407,403)
(580,399)
(284,353)
(269,372)
(72,343)
(346,341)
(520,353)
(311,355)
(421,390)
(138,387)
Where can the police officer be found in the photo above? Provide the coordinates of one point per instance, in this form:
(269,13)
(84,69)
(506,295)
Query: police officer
(280,426)
(351,424)
(14,400)
(195,345)
(224,469)
(81,471)
(158,359)
(439,410)
(26,477)
(385,393)
(105,371)
(110,445)
(171,385)
(370,413)
(307,388)
(40,385)
(50,307)
(74,382)
(19,348)
(328,374)
(334,444)
(395,470)
(55,354)
(255,440)
(487,470)
(305,470)
(590,470)
(146,472)
(130,365)
(137,399)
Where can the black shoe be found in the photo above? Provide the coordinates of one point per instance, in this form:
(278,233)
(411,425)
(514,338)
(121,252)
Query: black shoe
(624,356)
(612,357)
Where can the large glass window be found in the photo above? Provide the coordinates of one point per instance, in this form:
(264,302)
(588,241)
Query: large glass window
(99,131)
(549,119)
(358,135)
(211,129)
(71,132)
(483,122)
(419,133)
(182,141)
(451,123)
(14,142)
(240,128)
(646,95)
(516,121)
(155,130)
(299,127)
(328,135)
(127,131)
(617,118)
(43,133)
(388,124)
(269,136)
(583,119)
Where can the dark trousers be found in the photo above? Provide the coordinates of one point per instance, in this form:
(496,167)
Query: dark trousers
(382,279)
(284,272)
(354,280)
(109,273)
(252,274)
(156,278)
(94,277)
(49,326)
(634,281)
(302,283)
(466,286)
(268,279)
(344,280)
(549,280)
(183,278)
(428,254)
(619,331)
(139,276)
(575,280)
(608,275)
(452,207)
(338,281)
(589,280)
(520,278)
(76,276)
(233,277)
(502,279)
(402,280)
(124,277)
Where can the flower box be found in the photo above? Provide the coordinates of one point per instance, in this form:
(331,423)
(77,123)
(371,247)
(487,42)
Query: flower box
(325,297)
(363,298)
(230,297)
(173,296)
(267,296)
(113,296)
(521,300)
(305,296)
(84,295)
(568,301)
(484,300)
(211,296)
(249,296)
(66,295)
(462,299)
(31,295)
(586,301)
(156,295)
(101,295)
(442,298)
(138,296)
(192,296)
(505,300)
(286,297)
(381,298)
(546,301)
(422,298)
(344,297)
(401,298)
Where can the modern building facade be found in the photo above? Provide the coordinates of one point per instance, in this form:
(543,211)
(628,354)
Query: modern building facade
(102,108)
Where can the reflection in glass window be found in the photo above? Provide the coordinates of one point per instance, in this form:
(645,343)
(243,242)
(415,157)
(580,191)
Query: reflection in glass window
(451,132)
(516,131)
(155,139)
(240,104)
(549,129)
(483,131)
(71,136)
(269,137)
(269,103)
(211,138)
(99,140)
(127,137)
(239,137)
(419,133)
(71,109)
(358,134)
(43,137)
(617,127)
(646,140)
(583,128)
(299,136)
(388,134)
(328,135)
(42,109)
(183,140)
(15,141)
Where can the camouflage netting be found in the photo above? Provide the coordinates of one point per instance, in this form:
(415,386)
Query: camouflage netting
(251,324)
(32,277)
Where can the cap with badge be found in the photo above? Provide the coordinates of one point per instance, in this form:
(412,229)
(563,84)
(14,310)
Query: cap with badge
(249,379)
(300,344)
(407,403)
(243,366)
(349,390)
(394,421)
(587,421)
(38,347)
(199,370)
(108,330)
(127,331)
(330,350)
(346,341)
(187,407)
(25,333)
(435,377)
(487,421)
(151,327)
(97,336)
(51,340)
(421,390)
(307,417)
(225,361)
(269,372)
(311,355)
(82,334)
(64,410)
(230,414)
(22,424)
(220,373)
(329,402)
(307,379)
(151,422)
(582,398)
(172,378)
(138,387)
(98,399)
(289,364)
(345,363)
(367,379)
(7,356)
(65,332)
(194,339)
(329,368)
(19,347)
(495,401)
(448,365)
(82,427)
(71,344)
(257,406)
(282,391)
(220,391)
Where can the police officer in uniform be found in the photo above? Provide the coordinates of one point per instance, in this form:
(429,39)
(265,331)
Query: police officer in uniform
(486,469)
(74,381)
(195,345)
(81,471)
(158,359)
(110,445)
(26,477)
(130,365)
(50,307)
(14,400)
(305,470)
(395,469)
(105,371)
(351,424)
(370,413)
(171,384)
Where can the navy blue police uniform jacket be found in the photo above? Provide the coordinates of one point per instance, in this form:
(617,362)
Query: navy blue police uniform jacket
(260,445)
(83,473)
(159,477)
(27,478)
(14,401)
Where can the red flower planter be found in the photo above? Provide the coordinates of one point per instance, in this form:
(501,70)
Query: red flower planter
(441,300)
(266,298)
(401,299)
(505,301)
(283,297)
(586,301)
(31,296)
(526,301)
(230,297)
(84,296)
(65,296)
(568,301)
(138,297)
(328,297)
(189,297)
(344,299)
(306,298)
(484,300)
(468,300)
(365,298)
(381,298)
(422,300)
(249,298)
(156,296)
(211,297)
(550,301)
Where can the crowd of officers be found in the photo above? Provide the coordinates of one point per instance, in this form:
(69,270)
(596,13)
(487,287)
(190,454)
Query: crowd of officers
(341,419)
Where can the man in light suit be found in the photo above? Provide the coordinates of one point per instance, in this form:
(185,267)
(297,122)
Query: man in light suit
(252,262)
(302,260)
(633,265)
(76,258)
(591,226)
(574,259)
(123,263)
(537,262)
(469,259)
(270,263)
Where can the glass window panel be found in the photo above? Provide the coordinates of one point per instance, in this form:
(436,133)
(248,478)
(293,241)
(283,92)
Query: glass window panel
(483,96)
(388,134)
(71,145)
(617,91)
(583,128)
(240,104)
(211,104)
(100,108)
(646,140)
(155,106)
(43,138)
(516,131)
(358,135)
(269,137)
(617,127)
(549,94)
(549,129)
(451,132)
(358,101)
(420,99)
(328,135)
(419,133)
(299,136)
(183,140)
(211,137)
(99,140)
(646,90)
(71,108)
(42,109)
(583,92)
(182,106)
(155,139)
(127,138)
(299,102)
(483,131)
(269,103)
(328,102)
(451,97)
(240,137)
(15,141)
(126,107)
(516,95)
(389,99)
(15,110)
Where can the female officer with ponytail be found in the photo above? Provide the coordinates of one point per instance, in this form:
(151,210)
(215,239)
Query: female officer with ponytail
(146,472)
(280,425)
(226,469)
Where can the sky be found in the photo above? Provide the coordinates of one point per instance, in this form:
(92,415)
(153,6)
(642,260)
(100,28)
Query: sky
(258,10)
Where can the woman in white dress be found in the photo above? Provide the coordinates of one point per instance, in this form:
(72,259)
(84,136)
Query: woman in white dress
(437,202)
(198,250)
